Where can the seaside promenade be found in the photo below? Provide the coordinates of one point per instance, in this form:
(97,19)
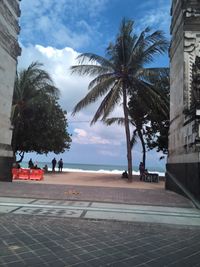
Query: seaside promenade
(58,222)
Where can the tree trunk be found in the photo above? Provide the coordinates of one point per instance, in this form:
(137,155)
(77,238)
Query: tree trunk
(128,139)
(143,147)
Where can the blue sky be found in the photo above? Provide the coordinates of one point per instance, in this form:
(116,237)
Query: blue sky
(55,33)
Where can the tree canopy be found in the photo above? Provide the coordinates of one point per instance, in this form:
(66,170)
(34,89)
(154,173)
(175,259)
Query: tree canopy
(40,124)
(158,115)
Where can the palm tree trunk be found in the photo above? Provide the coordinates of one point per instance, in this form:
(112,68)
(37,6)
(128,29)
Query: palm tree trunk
(143,147)
(128,138)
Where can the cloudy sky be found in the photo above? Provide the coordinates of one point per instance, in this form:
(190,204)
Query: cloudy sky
(55,32)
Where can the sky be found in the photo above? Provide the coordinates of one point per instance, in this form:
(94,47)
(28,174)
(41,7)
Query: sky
(54,33)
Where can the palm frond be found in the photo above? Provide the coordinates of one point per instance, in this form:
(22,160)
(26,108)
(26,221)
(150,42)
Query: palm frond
(90,70)
(110,121)
(151,75)
(96,92)
(107,105)
(112,101)
(159,47)
(101,79)
(95,59)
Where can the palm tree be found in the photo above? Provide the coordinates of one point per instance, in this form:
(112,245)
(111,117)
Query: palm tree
(137,120)
(143,109)
(120,73)
(31,85)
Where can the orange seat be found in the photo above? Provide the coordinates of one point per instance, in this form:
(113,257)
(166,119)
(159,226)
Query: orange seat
(23,174)
(36,174)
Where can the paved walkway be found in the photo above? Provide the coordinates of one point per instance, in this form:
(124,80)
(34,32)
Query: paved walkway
(27,240)
(66,225)
(157,197)
(101,211)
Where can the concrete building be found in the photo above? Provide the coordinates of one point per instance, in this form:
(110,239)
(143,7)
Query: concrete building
(184,138)
(9,50)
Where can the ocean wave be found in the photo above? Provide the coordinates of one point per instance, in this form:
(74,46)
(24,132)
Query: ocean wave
(107,171)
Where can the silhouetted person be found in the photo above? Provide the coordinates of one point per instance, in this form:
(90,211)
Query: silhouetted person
(60,165)
(45,168)
(53,164)
(125,174)
(36,167)
(30,164)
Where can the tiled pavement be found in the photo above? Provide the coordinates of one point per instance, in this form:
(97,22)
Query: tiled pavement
(101,210)
(27,240)
(30,240)
(90,193)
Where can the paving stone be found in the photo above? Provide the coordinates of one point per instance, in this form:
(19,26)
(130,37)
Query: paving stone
(94,243)
(91,193)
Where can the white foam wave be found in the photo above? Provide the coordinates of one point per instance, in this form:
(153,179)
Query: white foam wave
(107,171)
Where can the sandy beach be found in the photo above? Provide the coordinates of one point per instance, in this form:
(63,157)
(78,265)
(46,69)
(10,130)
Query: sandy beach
(95,179)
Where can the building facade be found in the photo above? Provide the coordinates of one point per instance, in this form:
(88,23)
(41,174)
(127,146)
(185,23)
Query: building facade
(184,135)
(9,51)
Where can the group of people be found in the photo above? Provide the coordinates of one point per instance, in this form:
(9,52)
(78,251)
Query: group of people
(60,164)
(31,165)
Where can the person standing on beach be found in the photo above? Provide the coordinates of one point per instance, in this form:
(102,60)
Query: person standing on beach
(53,164)
(60,165)
(30,164)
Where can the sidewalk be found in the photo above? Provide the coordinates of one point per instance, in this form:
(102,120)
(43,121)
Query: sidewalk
(154,197)
(87,226)
(31,241)
(101,211)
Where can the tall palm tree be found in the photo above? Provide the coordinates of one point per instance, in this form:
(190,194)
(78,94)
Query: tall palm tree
(31,85)
(144,110)
(120,73)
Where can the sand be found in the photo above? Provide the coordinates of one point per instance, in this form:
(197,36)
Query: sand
(96,179)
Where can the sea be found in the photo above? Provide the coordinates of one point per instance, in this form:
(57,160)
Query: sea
(97,168)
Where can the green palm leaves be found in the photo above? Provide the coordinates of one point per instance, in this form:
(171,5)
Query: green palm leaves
(31,84)
(121,73)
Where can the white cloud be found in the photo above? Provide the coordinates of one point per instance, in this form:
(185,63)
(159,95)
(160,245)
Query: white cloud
(58,62)
(111,136)
(156,17)
(80,133)
(73,88)
(84,138)
(53,21)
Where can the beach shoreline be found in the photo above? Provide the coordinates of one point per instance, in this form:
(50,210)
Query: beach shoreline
(95,179)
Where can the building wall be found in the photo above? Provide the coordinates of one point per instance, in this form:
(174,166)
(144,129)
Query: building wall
(184,150)
(9,50)
(185,46)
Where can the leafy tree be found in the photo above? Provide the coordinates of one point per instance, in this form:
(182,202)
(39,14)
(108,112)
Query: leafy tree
(138,117)
(153,116)
(120,73)
(158,115)
(40,125)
